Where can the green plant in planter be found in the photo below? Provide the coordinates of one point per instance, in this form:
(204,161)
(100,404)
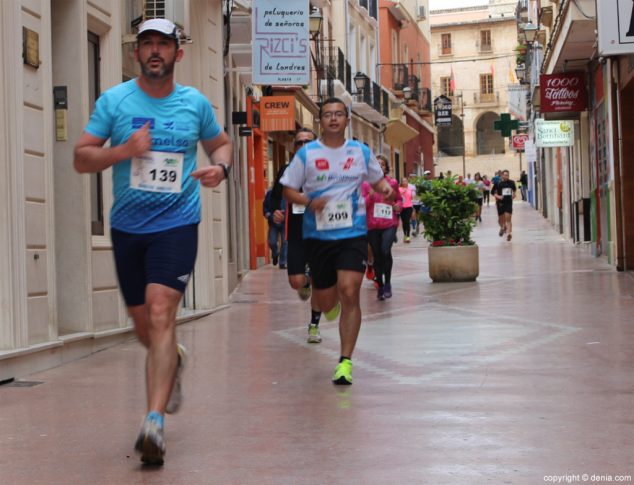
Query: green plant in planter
(448,210)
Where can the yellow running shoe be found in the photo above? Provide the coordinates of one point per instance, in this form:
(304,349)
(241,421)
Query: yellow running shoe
(314,336)
(343,373)
(333,312)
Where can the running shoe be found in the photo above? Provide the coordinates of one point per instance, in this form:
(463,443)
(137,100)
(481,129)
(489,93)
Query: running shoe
(314,337)
(407,239)
(275,260)
(380,295)
(282,265)
(333,312)
(176,398)
(150,443)
(387,290)
(304,292)
(509,237)
(502,231)
(369,272)
(343,373)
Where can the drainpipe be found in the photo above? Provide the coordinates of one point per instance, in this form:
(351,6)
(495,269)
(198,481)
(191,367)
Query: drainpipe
(615,87)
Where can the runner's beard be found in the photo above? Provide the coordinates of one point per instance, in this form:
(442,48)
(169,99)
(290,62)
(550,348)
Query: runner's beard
(165,71)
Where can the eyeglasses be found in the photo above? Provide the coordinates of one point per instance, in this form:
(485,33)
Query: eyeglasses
(334,114)
(299,143)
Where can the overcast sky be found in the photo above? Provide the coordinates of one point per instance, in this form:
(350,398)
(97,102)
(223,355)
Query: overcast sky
(440,4)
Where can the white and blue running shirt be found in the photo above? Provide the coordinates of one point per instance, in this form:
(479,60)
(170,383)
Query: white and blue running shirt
(177,123)
(335,173)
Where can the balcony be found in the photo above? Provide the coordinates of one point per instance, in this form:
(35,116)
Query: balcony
(418,98)
(490,99)
(369,100)
(371,6)
(334,74)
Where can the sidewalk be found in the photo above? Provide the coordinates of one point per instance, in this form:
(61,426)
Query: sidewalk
(524,374)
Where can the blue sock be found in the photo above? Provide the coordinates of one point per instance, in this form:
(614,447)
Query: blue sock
(155,416)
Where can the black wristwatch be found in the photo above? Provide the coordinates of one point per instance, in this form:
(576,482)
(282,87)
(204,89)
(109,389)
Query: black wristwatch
(226,169)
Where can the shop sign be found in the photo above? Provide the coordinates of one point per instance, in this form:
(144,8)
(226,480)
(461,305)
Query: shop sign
(277,113)
(549,134)
(615,25)
(518,141)
(280,47)
(563,92)
(530,150)
(442,111)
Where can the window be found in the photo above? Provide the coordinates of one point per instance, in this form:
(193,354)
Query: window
(486,88)
(96,179)
(485,41)
(445,46)
(445,86)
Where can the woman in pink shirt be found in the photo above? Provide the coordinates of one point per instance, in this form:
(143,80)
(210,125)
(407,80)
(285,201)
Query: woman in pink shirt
(406,214)
(382,220)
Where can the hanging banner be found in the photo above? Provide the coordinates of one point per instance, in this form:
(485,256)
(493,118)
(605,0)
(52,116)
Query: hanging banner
(563,92)
(281,50)
(277,113)
(549,134)
(615,25)
(518,101)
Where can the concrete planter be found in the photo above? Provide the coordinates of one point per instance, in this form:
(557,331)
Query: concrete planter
(453,263)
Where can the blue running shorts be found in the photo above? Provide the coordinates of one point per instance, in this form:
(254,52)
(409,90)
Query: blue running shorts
(164,257)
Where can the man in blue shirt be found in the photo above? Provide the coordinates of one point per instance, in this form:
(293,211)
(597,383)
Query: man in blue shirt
(154,126)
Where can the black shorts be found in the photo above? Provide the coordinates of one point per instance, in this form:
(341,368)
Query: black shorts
(165,257)
(296,257)
(504,207)
(326,257)
(479,201)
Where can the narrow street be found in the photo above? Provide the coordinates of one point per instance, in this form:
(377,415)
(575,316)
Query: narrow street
(526,373)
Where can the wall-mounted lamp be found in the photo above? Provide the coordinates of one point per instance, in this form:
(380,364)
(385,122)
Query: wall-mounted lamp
(360,80)
(531,31)
(520,71)
(314,23)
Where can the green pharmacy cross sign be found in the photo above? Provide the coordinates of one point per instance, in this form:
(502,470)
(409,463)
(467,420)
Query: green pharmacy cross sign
(506,125)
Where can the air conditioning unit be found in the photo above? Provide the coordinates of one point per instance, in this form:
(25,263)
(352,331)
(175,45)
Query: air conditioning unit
(173,10)
(422,12)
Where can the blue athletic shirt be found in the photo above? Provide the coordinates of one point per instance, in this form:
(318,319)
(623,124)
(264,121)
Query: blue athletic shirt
(336,173)
(177,123)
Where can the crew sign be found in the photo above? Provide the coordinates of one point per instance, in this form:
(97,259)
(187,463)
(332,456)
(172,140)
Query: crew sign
(442,111)
(280,48)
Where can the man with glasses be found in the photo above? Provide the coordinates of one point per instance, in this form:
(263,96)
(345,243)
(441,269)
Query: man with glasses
(330,172)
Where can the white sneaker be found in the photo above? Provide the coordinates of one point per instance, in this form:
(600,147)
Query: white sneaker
(314,337)
(176,398)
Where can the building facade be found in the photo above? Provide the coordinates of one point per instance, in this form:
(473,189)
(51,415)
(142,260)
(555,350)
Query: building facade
(473,54)
(58,288)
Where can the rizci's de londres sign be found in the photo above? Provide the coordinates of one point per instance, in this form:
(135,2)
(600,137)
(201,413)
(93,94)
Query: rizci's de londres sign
(563,92)
(280,47)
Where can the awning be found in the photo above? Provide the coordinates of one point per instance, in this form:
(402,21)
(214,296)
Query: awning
(397,133)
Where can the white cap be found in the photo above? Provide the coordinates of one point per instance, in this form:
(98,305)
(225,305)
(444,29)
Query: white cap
(162,26)
(426,172)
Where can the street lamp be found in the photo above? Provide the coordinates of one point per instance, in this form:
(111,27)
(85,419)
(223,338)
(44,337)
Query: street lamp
(531,31)
(314,23)
(520,71)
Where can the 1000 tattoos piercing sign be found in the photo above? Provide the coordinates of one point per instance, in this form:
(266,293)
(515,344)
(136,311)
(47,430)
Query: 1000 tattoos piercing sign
(281,50)
(563,92)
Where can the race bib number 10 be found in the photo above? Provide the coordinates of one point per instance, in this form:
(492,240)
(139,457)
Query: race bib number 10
(157,172)
(336,215)
(382,211)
